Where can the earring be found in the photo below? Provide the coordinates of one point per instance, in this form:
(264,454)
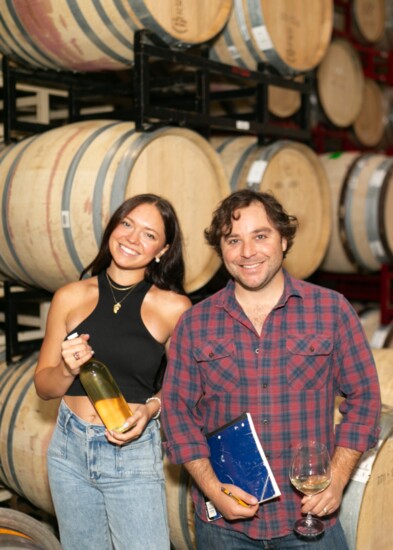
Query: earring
(157,260)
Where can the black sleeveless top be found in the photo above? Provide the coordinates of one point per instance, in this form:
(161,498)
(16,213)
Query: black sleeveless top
(123,343)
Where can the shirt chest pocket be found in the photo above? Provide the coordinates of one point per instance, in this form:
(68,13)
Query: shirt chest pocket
(308,360)
(218,366)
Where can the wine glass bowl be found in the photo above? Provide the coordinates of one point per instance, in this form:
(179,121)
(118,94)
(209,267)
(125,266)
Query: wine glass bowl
(310,473)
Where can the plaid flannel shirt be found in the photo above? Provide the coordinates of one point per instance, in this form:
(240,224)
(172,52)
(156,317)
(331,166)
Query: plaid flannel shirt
(311,349)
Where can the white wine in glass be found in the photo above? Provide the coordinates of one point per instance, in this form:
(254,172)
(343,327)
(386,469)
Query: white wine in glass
(310,474)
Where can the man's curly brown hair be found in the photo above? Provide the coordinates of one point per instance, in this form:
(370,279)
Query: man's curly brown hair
(223,216)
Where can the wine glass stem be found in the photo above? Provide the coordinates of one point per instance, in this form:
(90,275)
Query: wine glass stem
(309,519)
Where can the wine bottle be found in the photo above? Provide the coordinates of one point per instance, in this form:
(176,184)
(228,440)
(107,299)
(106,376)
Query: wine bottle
(105,395)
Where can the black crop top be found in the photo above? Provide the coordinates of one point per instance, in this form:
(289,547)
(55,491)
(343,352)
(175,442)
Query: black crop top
(123,343)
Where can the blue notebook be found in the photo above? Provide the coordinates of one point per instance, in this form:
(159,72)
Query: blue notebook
(237,457)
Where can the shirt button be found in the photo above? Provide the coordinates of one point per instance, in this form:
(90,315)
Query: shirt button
(264,386)
(257,350)
(265,421)
(211,354)
(312,348)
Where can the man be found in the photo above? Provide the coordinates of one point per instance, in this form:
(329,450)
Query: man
(281,349)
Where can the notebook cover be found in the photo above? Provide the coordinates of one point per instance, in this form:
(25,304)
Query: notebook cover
(237,457)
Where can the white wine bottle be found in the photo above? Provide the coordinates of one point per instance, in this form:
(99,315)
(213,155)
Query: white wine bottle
(105,395)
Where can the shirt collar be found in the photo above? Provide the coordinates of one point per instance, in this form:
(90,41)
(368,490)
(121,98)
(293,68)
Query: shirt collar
(292,287)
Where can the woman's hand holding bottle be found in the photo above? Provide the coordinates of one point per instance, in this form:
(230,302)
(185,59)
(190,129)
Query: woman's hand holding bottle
(138,421)
(75,351)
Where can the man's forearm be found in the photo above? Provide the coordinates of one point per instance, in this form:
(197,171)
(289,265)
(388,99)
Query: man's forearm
(204,476)
(343,463)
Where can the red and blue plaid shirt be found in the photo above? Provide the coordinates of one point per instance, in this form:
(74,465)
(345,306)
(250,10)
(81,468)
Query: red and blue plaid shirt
(312,349)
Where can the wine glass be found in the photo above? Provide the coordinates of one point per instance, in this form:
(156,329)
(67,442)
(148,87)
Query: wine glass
(310,474)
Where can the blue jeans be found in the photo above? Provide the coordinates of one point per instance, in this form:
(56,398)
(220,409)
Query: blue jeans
(105,496)
(209,536)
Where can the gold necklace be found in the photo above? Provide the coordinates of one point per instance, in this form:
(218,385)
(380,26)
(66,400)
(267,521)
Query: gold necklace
(117,303)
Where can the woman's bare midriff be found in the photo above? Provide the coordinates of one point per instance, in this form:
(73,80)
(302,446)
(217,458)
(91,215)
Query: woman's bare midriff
(82,407)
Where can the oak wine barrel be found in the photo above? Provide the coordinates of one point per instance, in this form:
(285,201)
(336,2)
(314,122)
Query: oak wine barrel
(290,36)
(363,20)
(60,187)
(98,36)
(340,84)
(26,426)
(284,102)
(383,358)
(368,498)
(361,187)
(19,530)
(180,506)
(386,42)
(378,335)
(369,125)
(368,20)
(293,173)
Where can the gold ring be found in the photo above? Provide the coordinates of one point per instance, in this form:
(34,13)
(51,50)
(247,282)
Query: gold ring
(325,510)
(76,356)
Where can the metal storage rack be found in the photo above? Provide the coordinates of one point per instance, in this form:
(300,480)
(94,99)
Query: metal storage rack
(181,97)
(11,301)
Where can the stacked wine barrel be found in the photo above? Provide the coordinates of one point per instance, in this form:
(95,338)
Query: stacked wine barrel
(361,186)
(79,173)
(88,36)
(294,174)
(59,189)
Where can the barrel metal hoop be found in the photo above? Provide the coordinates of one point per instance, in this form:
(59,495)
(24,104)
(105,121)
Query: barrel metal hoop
(111,27)
(344,208)
(243,28)
(184,483)
(93,36)
(263,39)
(239,166)
(67,190)
(376,229)
(100,182)
(7,234)
(23,368)
(125,167)
(29,41)
(230,44)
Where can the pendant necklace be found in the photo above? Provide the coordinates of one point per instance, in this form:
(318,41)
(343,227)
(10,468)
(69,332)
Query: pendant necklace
(117,303)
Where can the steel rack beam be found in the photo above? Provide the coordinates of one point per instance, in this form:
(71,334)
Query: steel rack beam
(182,97)
(10,304)
(148,115)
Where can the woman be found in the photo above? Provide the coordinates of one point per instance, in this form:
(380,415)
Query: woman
(108,488)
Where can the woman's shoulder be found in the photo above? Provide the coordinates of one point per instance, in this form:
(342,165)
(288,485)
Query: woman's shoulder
(162,309)
(169,302)
(76,289)
(170,297)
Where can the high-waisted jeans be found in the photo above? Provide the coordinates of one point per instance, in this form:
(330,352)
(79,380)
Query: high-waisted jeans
(105,496)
